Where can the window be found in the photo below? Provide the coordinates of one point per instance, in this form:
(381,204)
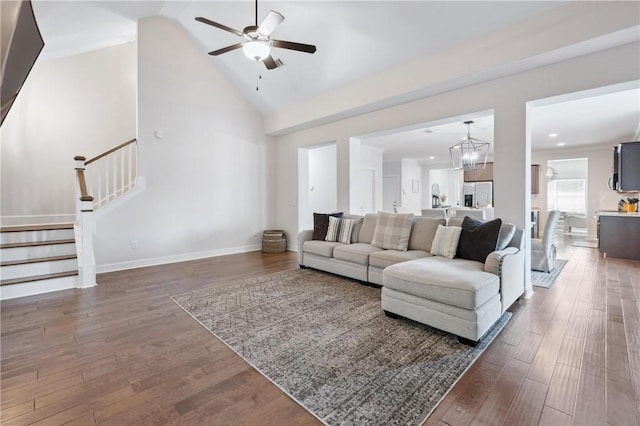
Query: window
(567,195)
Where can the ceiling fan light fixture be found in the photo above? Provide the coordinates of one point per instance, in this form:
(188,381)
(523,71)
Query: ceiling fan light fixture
(256,50)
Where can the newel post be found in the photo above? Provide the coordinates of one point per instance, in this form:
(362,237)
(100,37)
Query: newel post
(85,229)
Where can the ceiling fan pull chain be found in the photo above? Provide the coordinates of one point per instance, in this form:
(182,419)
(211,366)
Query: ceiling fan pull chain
(258,76)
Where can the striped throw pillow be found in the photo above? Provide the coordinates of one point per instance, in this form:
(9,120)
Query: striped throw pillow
(445,243)
(339,230)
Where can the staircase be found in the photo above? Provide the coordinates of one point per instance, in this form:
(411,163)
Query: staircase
(37,259)
(44,258)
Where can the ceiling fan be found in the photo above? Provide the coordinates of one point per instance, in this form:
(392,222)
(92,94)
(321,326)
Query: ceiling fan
(257,40)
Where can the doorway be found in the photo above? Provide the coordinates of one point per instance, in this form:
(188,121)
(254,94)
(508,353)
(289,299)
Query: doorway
(390,193)
(317,182)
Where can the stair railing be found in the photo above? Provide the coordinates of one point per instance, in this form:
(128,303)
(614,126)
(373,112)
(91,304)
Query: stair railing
(112,174)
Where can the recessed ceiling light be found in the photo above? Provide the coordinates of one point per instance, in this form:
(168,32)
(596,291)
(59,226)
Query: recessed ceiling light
(432,158)
(562,144)
(553,135)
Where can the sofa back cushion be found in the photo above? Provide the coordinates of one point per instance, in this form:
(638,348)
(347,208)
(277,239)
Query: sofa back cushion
(392,231)
(368,227)
(423,231)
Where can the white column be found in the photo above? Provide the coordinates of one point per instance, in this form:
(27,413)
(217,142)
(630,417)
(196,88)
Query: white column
(512,172)
(87,262)
(343,174)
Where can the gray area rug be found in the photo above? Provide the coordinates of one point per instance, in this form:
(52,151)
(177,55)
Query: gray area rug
(545,279)
(325,341)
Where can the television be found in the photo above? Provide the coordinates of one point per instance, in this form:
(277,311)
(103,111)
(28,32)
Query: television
(21,46)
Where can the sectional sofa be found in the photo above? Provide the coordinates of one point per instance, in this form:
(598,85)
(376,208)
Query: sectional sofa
(458,295)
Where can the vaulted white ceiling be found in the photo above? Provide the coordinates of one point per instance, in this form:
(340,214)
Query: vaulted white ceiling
(356,41)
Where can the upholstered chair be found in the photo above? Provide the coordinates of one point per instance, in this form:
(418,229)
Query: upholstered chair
(543,252)
(435,212)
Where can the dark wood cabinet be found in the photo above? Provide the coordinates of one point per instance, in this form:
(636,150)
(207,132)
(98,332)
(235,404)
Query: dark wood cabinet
(486,174)
(479,175)
(535,178)
(618,236)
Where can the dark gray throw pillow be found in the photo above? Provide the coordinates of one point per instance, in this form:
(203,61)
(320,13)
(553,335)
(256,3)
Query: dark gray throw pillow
(478,238)
(321,224)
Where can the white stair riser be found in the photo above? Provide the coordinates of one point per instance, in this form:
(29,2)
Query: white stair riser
(38,268)
(37,287)
(33,236)
(23,253)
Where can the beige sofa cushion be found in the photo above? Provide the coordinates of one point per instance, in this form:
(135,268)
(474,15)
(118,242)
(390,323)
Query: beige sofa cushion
(321,248)
(367,228)
(457,282)
(423,231)
(355,253)
(382,259)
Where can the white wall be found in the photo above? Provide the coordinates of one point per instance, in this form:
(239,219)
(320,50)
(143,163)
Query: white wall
(600,197)
(209,184)
(371,158)
(411,201)
(79,105)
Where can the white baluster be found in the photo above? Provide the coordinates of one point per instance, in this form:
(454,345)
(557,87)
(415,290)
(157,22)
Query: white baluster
(114,169)
(122,184)
(98,168)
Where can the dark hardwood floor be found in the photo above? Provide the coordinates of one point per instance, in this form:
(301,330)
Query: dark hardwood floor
(123,353)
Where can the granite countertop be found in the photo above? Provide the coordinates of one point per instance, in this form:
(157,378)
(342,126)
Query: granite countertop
(616,213)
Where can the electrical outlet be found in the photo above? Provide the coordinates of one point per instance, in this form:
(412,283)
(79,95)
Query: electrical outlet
(134,245)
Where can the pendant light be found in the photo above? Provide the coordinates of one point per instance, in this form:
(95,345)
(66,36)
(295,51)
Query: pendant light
(469,153)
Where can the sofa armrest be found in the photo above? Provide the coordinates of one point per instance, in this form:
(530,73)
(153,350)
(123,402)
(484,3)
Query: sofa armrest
(304,236)
(508,264)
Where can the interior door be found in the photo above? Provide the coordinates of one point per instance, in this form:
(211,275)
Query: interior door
(390,193)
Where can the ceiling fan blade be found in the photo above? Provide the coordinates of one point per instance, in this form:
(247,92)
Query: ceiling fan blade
(307,48)
(226,49)
(215,24)
(270,23)
(271,63)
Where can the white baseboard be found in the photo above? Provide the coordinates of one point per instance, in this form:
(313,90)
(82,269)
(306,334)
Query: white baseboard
(142,263)
(37,219)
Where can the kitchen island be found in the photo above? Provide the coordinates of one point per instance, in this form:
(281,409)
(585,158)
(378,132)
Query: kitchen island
(619,234)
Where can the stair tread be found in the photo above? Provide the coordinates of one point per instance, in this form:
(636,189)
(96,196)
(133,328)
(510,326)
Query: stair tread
(37,243)
(38,278)
(25,228)
(38,260)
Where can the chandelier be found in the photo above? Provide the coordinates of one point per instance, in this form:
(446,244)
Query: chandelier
(552,174)
(469,153)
